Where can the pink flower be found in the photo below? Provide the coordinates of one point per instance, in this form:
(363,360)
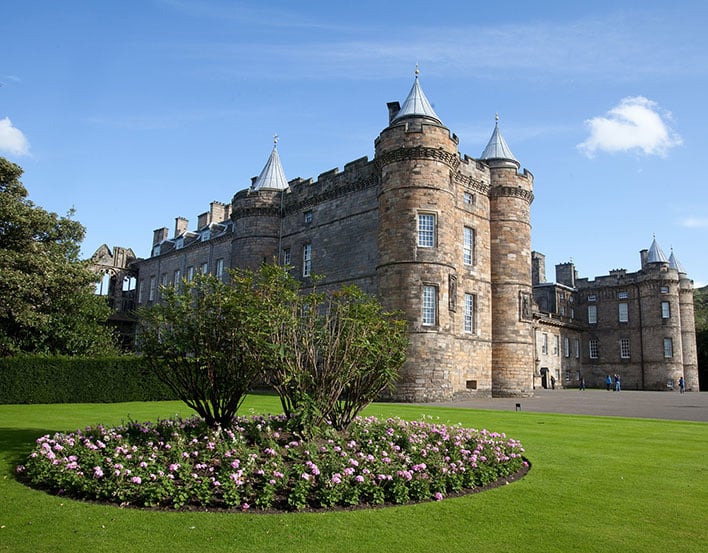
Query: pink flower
(136,480)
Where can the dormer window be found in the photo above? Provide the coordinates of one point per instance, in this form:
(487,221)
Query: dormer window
(179,243)
(206,234)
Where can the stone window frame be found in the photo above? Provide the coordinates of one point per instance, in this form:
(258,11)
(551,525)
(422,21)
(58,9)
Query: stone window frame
(592,314)
(429,305)
(566,346)
(469,239)
(544,343)
(287,256)
(307,259)
(594,348)
(665,310)
(426,232)
(623,312)
(219,268)
(470,307)
(153,288)
(625,351)
(668,348)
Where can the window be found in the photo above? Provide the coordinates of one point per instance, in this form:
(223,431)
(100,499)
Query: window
(426,230)
(593,349)
(592,297)
(566,346)
(623,312)
(622,295)
(190,273)
(624,348)
(556,345)
(179,243)
(544,344)
(151,293)
(306,260)
(205,268)
(468,248)
(561,296)
(577,348)
(664,289)
(592,314)
(308,216)
(468,198)
(430,298)
(668,348)
(469,312)
(665,310)
(572,313)
(287,258)
(164,279)
(562,310)
(220,268)
(178,278)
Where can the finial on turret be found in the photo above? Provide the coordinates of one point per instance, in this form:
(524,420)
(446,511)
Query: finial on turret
(417,71)
(275,140)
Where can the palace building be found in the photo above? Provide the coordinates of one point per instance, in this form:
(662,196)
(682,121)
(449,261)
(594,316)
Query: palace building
(444,238)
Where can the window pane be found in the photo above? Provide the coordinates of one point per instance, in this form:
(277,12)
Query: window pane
(623,312)
(624,348)
(426,230)
(469,312)
(668,348)
(592,314)
(468,248)
(306,259)
(593,349)
(429,305)
(665,310)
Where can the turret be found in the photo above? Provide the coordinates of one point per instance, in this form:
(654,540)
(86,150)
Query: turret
(256,214)
(511,194)
(418,241)
(688,325)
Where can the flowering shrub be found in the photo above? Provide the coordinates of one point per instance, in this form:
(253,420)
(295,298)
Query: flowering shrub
(258,464)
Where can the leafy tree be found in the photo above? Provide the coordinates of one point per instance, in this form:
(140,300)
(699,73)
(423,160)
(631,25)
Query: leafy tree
(47,300)
(193,341)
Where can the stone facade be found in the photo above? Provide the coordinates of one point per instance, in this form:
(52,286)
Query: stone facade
(638,325)
(444,238)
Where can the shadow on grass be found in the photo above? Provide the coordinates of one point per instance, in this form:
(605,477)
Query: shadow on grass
(17,443)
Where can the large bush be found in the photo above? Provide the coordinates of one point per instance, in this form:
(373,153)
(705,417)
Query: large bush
(327,354)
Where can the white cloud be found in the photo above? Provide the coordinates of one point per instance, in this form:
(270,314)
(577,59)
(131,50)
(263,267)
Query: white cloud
(636,124)
(695,222)
(12,141)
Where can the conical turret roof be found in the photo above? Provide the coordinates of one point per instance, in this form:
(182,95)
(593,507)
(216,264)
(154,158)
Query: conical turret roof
(497,148)
(272,176)
(675,263)
(417,104)
(656,255)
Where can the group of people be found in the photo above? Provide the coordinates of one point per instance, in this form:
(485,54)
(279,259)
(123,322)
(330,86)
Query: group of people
(613,383)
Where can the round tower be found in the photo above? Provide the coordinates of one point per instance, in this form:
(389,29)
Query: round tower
(418,241)
(659,289)
(257,215)
(511,194)
(688,326)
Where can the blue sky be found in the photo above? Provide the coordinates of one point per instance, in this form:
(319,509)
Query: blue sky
(136,112)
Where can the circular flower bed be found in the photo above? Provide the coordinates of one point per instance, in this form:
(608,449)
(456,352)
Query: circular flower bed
(258,464)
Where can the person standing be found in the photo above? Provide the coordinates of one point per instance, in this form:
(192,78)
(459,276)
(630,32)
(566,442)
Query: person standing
(608,382)
(682,385)
(553,382)
(618,383)
(582,383)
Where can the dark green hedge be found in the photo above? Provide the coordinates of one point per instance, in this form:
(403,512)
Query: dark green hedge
(40,379)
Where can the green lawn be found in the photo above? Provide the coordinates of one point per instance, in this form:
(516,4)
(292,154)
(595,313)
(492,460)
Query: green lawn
(597,484)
